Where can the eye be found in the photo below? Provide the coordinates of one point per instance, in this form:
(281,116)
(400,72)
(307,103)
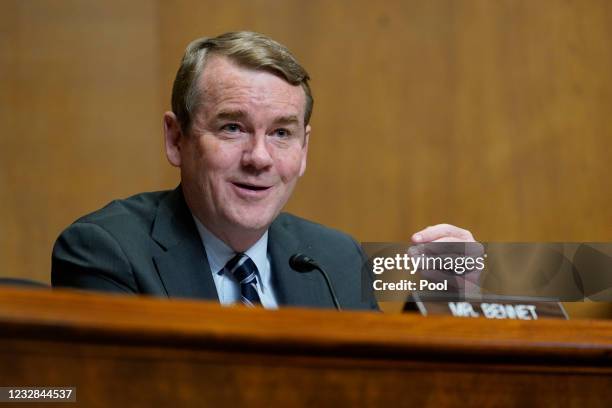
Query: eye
(231,128)
(282,133)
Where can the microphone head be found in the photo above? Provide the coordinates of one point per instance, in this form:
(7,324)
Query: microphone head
(302,263)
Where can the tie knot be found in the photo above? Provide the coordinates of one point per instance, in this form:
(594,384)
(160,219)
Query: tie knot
(242,268)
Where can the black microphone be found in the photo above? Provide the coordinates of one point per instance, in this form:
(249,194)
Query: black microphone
(302,263)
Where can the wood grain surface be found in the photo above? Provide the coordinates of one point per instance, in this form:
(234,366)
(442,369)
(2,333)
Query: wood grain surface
(132,352)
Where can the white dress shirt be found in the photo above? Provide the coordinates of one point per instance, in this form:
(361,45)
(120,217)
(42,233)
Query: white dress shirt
(228,289)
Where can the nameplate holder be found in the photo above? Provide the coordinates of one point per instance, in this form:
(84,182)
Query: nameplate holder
(495,307)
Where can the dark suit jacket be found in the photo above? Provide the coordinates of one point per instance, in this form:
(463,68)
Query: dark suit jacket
(149,244)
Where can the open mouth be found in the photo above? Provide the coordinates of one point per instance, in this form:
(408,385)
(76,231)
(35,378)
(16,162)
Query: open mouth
(251,187)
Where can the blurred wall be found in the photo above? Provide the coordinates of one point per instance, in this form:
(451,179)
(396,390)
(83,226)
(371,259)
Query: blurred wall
(493,115)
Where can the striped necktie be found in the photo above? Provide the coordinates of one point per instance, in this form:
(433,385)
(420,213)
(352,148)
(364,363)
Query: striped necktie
(244,270)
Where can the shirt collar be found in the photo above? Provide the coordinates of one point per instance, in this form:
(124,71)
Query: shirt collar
(219,253)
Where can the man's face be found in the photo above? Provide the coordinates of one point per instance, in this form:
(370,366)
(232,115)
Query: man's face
(246,149)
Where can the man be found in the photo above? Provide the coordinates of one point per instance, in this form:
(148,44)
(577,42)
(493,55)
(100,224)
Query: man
(239,133)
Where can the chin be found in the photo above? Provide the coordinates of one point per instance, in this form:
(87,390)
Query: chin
(254,220)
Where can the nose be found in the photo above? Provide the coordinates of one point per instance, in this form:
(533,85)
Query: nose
(256,154)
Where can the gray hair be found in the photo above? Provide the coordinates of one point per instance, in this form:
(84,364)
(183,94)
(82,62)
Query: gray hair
(248,49)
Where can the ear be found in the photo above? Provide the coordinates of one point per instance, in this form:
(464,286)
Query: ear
(305,150)
(172,138)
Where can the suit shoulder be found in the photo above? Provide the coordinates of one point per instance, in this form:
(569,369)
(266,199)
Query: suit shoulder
(136,211)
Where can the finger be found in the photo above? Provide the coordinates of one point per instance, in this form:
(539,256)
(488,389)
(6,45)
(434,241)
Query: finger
(471,248)
(448,239)
(440,231)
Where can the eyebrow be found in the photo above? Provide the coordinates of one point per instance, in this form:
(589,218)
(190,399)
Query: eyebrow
(287,120)
(240,114)
(231,115)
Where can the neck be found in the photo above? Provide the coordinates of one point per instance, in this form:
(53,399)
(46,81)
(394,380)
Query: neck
(238,239)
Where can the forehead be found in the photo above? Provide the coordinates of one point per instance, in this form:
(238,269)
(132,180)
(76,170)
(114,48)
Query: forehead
(225,85)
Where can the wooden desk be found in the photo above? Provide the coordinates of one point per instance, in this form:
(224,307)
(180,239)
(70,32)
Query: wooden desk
(142,352)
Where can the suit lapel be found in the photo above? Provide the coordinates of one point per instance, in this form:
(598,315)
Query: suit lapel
(183,266)
(292,288)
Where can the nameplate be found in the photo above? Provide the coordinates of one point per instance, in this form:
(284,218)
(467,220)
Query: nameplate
(491,309)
